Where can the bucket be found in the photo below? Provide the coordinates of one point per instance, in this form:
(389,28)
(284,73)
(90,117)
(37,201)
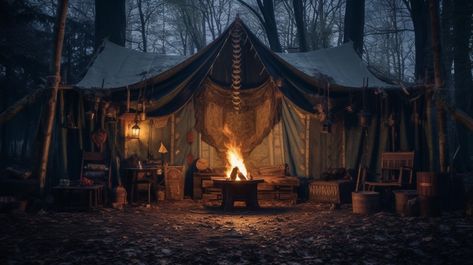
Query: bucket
(427,184)
(402,197)
(365,202)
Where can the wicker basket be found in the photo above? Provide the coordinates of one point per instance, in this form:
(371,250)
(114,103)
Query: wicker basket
(335,191)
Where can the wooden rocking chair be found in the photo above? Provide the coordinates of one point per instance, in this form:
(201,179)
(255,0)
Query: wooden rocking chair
(395,167)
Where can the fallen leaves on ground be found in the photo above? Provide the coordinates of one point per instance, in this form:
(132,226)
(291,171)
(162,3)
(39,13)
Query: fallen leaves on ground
(187,233)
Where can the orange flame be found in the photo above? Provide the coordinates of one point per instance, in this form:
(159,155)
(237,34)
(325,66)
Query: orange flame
(233,154)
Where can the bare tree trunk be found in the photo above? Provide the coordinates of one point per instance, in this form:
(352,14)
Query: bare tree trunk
(267,20)
(110,21)
(143,26)
(61,24)
(300,24)
(354,24)
(420,20)
(462,75)
(434,18)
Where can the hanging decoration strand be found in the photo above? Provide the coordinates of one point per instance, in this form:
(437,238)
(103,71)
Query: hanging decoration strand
(236,67)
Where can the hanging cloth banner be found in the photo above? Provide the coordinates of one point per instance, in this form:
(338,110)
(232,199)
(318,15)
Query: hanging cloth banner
(259,112)
(160,122)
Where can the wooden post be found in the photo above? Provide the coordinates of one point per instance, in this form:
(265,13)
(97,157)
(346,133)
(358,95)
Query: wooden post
(438,86)
(61,23)
(63,134)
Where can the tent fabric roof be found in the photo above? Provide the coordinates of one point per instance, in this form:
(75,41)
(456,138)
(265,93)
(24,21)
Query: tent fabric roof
(341,64)
(171,81)
(116,66)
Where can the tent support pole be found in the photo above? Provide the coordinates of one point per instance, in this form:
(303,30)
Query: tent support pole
(63,132)
(61,23)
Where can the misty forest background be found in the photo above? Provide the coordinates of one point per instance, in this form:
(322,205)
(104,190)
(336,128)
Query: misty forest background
(392,36)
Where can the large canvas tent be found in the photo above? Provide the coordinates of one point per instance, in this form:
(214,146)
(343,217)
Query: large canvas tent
(285,97)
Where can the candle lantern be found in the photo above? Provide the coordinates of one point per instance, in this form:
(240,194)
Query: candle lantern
(135,131)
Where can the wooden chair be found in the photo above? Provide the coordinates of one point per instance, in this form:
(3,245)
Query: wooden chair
(95,166)
(142,179)
(394,167)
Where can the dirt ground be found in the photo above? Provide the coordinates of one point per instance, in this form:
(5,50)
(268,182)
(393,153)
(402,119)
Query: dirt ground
(188,233)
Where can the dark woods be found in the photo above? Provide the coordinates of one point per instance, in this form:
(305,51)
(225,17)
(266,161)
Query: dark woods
(392,36)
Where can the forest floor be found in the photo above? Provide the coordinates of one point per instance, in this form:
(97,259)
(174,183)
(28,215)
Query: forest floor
(188,233)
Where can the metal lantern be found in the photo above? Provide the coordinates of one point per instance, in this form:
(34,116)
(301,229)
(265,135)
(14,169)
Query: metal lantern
(135,131)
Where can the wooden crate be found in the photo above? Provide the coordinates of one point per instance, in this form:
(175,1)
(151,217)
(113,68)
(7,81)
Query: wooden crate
(334,191)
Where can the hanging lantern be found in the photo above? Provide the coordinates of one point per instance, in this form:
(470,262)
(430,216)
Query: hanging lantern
(135,131)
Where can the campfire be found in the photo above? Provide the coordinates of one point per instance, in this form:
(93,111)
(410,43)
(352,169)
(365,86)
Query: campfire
(235,167)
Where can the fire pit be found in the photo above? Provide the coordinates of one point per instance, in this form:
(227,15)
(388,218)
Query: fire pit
(238,185)
(244,190)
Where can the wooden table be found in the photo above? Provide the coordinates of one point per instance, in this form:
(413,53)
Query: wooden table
(245,190)
(78,197)
(132,177)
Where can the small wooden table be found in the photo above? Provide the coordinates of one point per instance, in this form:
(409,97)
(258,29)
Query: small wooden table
(245,190)
(78,197)
(132,177)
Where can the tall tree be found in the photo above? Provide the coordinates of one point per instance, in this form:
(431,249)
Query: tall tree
(193,21)
(462,74)
(300,24)
(268,20)
(110,21)
(439,85)
(354,23)
(142,25)
(419,12)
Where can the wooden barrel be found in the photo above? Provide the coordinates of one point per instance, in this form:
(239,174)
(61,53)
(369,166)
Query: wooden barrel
(402,196)
(427,184)
(365,202)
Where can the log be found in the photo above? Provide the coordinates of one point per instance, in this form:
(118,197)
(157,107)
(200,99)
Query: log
(234,173)
(61,24)
(18,106)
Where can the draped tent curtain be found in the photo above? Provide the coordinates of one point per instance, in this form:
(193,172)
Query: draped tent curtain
(293,124)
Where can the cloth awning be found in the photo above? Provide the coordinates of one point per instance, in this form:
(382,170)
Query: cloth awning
(172,80)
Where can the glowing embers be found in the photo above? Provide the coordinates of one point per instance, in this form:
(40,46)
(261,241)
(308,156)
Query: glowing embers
(235,167)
